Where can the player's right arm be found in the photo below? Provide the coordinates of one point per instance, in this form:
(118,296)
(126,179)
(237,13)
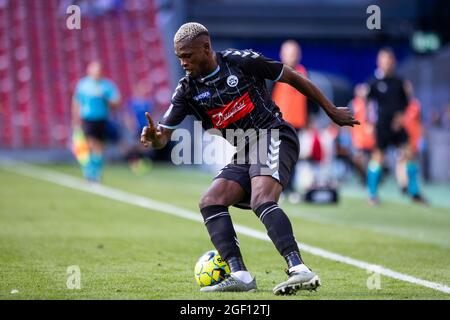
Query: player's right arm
(158,136)
(398,120)
(155,137)
(263,67)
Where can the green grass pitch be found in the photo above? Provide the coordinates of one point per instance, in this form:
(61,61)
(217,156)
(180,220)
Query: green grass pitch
(128,252)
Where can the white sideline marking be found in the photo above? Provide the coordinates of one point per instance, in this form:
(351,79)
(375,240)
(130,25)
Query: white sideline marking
(140,201)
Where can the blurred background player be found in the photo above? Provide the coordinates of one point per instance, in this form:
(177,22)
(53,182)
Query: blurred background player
(93,97)
(387,90)
(445,120)
(293,104)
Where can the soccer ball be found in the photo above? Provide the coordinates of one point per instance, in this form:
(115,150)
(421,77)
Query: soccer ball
(210,269)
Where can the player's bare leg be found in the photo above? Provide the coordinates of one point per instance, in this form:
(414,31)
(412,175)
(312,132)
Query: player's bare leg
(94,167)
(400,172)
(214,207)
(407,170)
(265,194)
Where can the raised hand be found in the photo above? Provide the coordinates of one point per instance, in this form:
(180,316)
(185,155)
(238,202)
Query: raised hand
(149,133)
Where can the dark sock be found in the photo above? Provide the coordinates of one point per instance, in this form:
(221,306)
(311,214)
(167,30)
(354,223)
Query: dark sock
(221,231)
(293,259)
(278,227)
(236,264)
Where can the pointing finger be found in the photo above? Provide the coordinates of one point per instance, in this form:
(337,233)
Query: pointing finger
(150,121)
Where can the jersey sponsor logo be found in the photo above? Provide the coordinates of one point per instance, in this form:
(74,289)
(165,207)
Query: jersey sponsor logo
(202,95)
(232,81)
(233,111)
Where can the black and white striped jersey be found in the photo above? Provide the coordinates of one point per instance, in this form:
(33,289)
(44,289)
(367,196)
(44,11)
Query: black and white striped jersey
(234,96)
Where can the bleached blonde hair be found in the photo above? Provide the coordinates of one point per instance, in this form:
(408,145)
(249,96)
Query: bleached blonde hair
(189,31)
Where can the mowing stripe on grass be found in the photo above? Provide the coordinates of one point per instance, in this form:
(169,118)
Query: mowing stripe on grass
(140,201)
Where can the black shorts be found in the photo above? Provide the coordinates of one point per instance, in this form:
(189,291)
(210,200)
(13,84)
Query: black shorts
(96,129)
(277,159)
(387,137)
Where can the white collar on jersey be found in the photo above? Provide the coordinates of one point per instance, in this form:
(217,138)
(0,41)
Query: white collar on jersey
(211,74)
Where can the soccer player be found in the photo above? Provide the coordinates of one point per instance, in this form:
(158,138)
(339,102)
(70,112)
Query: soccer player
(226,90)
(387,90)
(93,97)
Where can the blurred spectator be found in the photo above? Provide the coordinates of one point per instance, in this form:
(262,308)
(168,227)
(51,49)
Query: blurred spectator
(435,118)
(137,106)
(445,121)
(362,136)
(135,120)
(293,105)
(93,97)
(413,119)
(316,176)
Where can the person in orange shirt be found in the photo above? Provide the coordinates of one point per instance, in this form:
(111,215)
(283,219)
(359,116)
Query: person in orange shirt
(293,104)
(363,136)
(412,119)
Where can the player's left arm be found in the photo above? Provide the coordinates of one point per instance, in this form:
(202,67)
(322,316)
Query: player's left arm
(75,107)
(75,113)
(113,95)
(398,121)
(114,104)
(342,116)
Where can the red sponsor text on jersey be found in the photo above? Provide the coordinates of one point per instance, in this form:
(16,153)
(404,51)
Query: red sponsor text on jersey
(231,112)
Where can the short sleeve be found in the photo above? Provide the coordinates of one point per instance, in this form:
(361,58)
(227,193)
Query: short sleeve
(177,110)
(256,64)
(112,93)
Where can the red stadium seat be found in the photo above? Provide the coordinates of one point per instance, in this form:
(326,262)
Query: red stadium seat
(41,61)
